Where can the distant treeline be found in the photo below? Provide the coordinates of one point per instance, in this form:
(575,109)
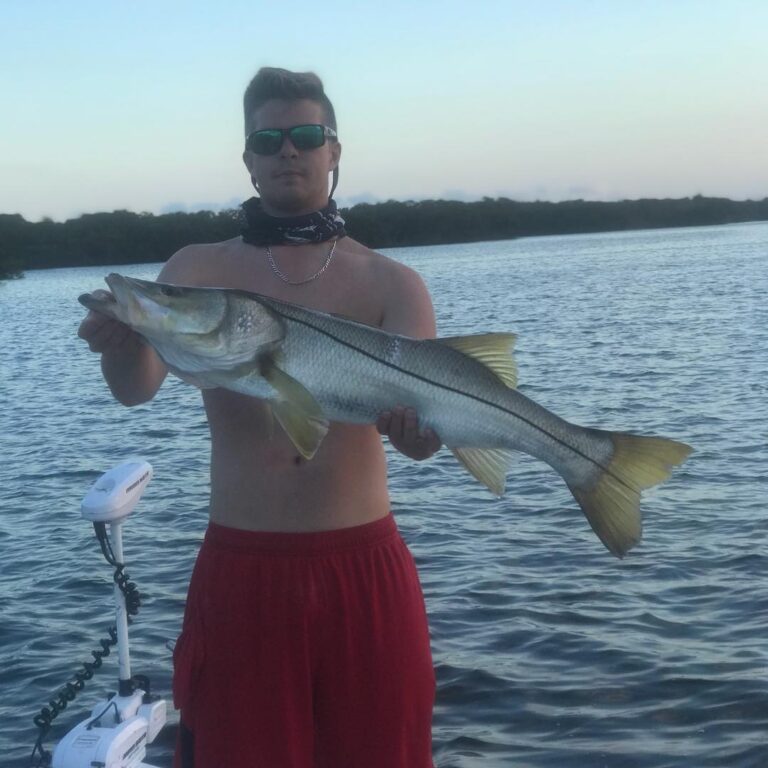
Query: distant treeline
(122,237)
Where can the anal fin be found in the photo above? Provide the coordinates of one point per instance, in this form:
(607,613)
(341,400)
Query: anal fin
(488,465)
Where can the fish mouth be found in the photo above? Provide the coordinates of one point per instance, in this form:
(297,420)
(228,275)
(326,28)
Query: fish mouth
(99,301)
(132,295)
(123,288)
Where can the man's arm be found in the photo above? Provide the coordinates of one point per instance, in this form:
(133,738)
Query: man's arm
(408,311)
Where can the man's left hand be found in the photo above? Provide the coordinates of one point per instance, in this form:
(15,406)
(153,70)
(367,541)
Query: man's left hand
(401,426)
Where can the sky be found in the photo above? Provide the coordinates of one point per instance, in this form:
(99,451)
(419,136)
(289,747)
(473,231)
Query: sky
(108,104)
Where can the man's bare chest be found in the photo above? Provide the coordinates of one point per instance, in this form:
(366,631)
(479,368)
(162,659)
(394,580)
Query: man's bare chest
(345,288)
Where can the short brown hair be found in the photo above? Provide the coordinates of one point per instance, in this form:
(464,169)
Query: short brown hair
(275,83)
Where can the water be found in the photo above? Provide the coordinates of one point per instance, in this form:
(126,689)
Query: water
(549,652)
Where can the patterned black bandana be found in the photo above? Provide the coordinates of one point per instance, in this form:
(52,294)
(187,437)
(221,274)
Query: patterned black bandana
(317,227)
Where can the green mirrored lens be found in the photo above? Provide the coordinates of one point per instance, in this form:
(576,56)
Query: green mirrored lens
(265,142)
(307,136)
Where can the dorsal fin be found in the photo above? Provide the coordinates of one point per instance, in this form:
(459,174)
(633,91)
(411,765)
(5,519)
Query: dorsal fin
(494,350)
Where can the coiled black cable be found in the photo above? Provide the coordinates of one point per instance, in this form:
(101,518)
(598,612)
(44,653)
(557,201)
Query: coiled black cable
(69,690)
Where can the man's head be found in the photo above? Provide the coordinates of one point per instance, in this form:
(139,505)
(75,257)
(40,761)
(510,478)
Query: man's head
(290,179)
(274,83)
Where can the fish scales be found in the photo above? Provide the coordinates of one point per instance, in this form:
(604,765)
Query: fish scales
(458,397)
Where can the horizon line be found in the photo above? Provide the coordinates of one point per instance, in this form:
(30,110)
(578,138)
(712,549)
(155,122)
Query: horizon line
(216,208)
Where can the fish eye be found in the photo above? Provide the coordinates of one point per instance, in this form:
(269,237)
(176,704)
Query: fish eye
(170,290)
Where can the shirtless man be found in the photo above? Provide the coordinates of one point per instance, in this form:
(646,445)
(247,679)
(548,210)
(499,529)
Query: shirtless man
(305,641)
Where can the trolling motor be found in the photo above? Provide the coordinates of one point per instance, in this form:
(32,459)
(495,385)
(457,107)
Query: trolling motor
(116,733)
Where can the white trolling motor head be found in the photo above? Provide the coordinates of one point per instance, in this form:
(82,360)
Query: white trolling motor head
(115,494)
(118,730)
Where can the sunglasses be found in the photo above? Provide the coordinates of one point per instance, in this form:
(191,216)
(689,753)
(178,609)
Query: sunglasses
(270,140)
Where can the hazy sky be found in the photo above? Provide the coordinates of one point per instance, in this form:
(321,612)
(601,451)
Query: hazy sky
(137,105)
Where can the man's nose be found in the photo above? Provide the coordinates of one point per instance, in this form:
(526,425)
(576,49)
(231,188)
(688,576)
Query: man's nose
(287,149)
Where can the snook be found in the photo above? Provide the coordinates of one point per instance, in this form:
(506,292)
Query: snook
(314,368)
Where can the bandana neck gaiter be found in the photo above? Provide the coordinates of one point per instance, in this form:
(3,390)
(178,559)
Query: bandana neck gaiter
(316,227)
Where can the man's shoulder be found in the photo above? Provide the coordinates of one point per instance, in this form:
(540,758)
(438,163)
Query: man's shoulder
(197,251)
(406,306)
(381,266)
(194,262)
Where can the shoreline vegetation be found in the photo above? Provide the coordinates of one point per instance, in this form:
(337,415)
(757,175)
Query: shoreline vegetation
(123,237)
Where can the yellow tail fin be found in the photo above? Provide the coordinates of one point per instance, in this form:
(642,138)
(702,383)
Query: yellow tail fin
(612,504)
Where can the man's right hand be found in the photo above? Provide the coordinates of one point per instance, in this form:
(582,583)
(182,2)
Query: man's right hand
(130,366)
(103,333)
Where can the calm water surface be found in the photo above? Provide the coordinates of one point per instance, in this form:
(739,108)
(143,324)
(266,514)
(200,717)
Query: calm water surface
(549,652)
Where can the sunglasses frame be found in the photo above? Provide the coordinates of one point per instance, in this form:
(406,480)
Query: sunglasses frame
(328,134)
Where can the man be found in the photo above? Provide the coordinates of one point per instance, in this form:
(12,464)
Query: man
(305,641)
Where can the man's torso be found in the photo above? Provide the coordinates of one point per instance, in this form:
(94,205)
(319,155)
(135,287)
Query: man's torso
(258,479)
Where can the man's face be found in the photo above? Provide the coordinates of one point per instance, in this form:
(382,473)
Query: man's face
(292,181)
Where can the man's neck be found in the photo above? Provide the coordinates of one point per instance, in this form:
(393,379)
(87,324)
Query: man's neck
(283,213)
(274,225)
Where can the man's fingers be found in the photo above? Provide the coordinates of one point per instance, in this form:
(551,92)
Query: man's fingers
(92,327)
(410,425)
(101,332)
(397,425)
(432,442)
(401,425)
(90,323)
(121,334)
(101,338)
(383,422)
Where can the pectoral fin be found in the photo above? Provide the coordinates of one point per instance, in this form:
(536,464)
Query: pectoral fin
(493,350)
(488,465)
(299,414)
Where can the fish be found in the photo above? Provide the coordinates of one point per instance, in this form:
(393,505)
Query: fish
(315,368)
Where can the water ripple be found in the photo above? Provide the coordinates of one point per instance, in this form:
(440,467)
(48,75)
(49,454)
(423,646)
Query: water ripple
(548,652)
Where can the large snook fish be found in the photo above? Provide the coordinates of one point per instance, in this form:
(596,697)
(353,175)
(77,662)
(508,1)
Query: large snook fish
(314,368)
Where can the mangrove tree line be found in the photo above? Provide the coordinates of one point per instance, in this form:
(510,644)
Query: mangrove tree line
(123,237)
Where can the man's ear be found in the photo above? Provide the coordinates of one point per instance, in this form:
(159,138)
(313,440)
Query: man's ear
(248,162)
(335,155)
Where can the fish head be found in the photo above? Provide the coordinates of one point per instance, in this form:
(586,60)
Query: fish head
(195,328)
(162,309)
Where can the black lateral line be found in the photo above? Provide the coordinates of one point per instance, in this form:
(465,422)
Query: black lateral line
(439,385)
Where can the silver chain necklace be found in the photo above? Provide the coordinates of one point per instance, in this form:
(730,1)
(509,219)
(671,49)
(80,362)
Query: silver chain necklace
(309,279)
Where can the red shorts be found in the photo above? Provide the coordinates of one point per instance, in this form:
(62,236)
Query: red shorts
(305,650)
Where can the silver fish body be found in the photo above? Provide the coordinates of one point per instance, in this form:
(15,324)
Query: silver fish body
(315,368)
(356,372)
